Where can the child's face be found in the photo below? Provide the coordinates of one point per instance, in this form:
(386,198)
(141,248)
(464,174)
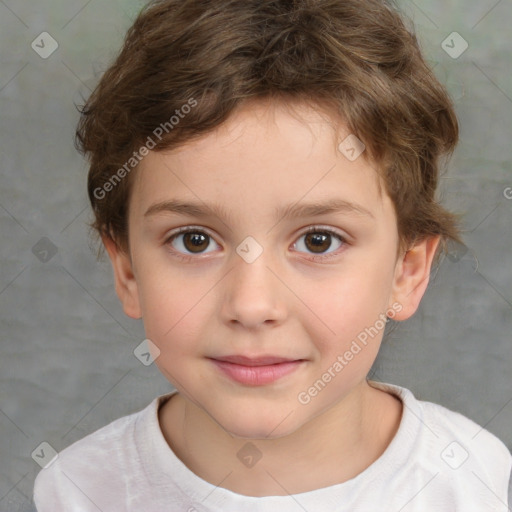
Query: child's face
(304,299)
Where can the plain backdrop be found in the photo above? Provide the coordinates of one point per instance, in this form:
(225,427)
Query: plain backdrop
(67,365)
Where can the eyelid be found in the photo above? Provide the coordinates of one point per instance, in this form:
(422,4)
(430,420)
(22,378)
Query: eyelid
(344,239)
(310,229)
(187,229)
(325,229)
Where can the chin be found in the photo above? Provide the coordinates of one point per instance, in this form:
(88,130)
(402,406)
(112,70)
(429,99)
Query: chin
(254,432)
(258,424)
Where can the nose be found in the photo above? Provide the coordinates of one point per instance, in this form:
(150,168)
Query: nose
(254,296)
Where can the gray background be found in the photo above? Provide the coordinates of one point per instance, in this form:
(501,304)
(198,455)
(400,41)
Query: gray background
(67,365)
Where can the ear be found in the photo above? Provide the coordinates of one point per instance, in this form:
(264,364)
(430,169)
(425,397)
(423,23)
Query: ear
(126,285)
(412,274)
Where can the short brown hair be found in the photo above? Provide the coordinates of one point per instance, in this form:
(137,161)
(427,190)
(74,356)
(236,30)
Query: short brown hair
(355,56)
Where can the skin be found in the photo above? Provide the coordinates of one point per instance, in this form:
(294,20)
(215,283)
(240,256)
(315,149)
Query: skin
(288,302)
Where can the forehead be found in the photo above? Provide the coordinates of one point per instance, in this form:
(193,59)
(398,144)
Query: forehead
(265,153)
(291,126)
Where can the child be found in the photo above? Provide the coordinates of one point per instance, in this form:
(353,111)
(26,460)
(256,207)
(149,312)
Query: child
(263,177)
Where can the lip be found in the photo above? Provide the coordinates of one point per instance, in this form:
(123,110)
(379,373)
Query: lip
(256,371)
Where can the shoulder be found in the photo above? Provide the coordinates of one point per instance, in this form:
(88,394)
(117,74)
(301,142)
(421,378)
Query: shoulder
(465,459)
(470,450)
(100,459)
(445,424)
(467,437)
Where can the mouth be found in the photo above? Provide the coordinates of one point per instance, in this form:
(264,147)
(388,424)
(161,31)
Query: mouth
(256,371)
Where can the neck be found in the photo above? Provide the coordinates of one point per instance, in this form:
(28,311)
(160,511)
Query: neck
(340,443)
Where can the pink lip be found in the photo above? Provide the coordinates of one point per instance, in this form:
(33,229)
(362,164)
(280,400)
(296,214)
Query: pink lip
(256,371)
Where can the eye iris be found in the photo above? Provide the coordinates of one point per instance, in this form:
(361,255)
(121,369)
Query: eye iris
(317,239)
(198,241)
(316,242)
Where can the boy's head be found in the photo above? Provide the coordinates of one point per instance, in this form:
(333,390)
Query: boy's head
(253,109)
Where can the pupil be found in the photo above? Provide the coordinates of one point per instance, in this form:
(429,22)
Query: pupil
(196,240)
(317,240)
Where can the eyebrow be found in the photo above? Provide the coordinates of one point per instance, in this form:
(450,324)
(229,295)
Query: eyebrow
(294,210)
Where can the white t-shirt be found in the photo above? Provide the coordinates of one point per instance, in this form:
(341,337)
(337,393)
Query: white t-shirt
(439,460)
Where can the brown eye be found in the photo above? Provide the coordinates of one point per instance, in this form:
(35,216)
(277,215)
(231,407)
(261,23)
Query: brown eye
(189,241)
(319,241)
(195,242)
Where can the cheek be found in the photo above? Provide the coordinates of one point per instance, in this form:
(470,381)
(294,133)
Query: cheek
(350,306)
(173,308)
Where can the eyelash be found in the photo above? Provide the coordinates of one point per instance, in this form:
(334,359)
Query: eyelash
(312,229)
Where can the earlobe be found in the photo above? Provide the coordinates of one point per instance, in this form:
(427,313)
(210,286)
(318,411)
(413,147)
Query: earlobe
(125,282)
(412,275)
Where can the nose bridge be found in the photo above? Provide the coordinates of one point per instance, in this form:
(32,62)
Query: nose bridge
(253,295)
